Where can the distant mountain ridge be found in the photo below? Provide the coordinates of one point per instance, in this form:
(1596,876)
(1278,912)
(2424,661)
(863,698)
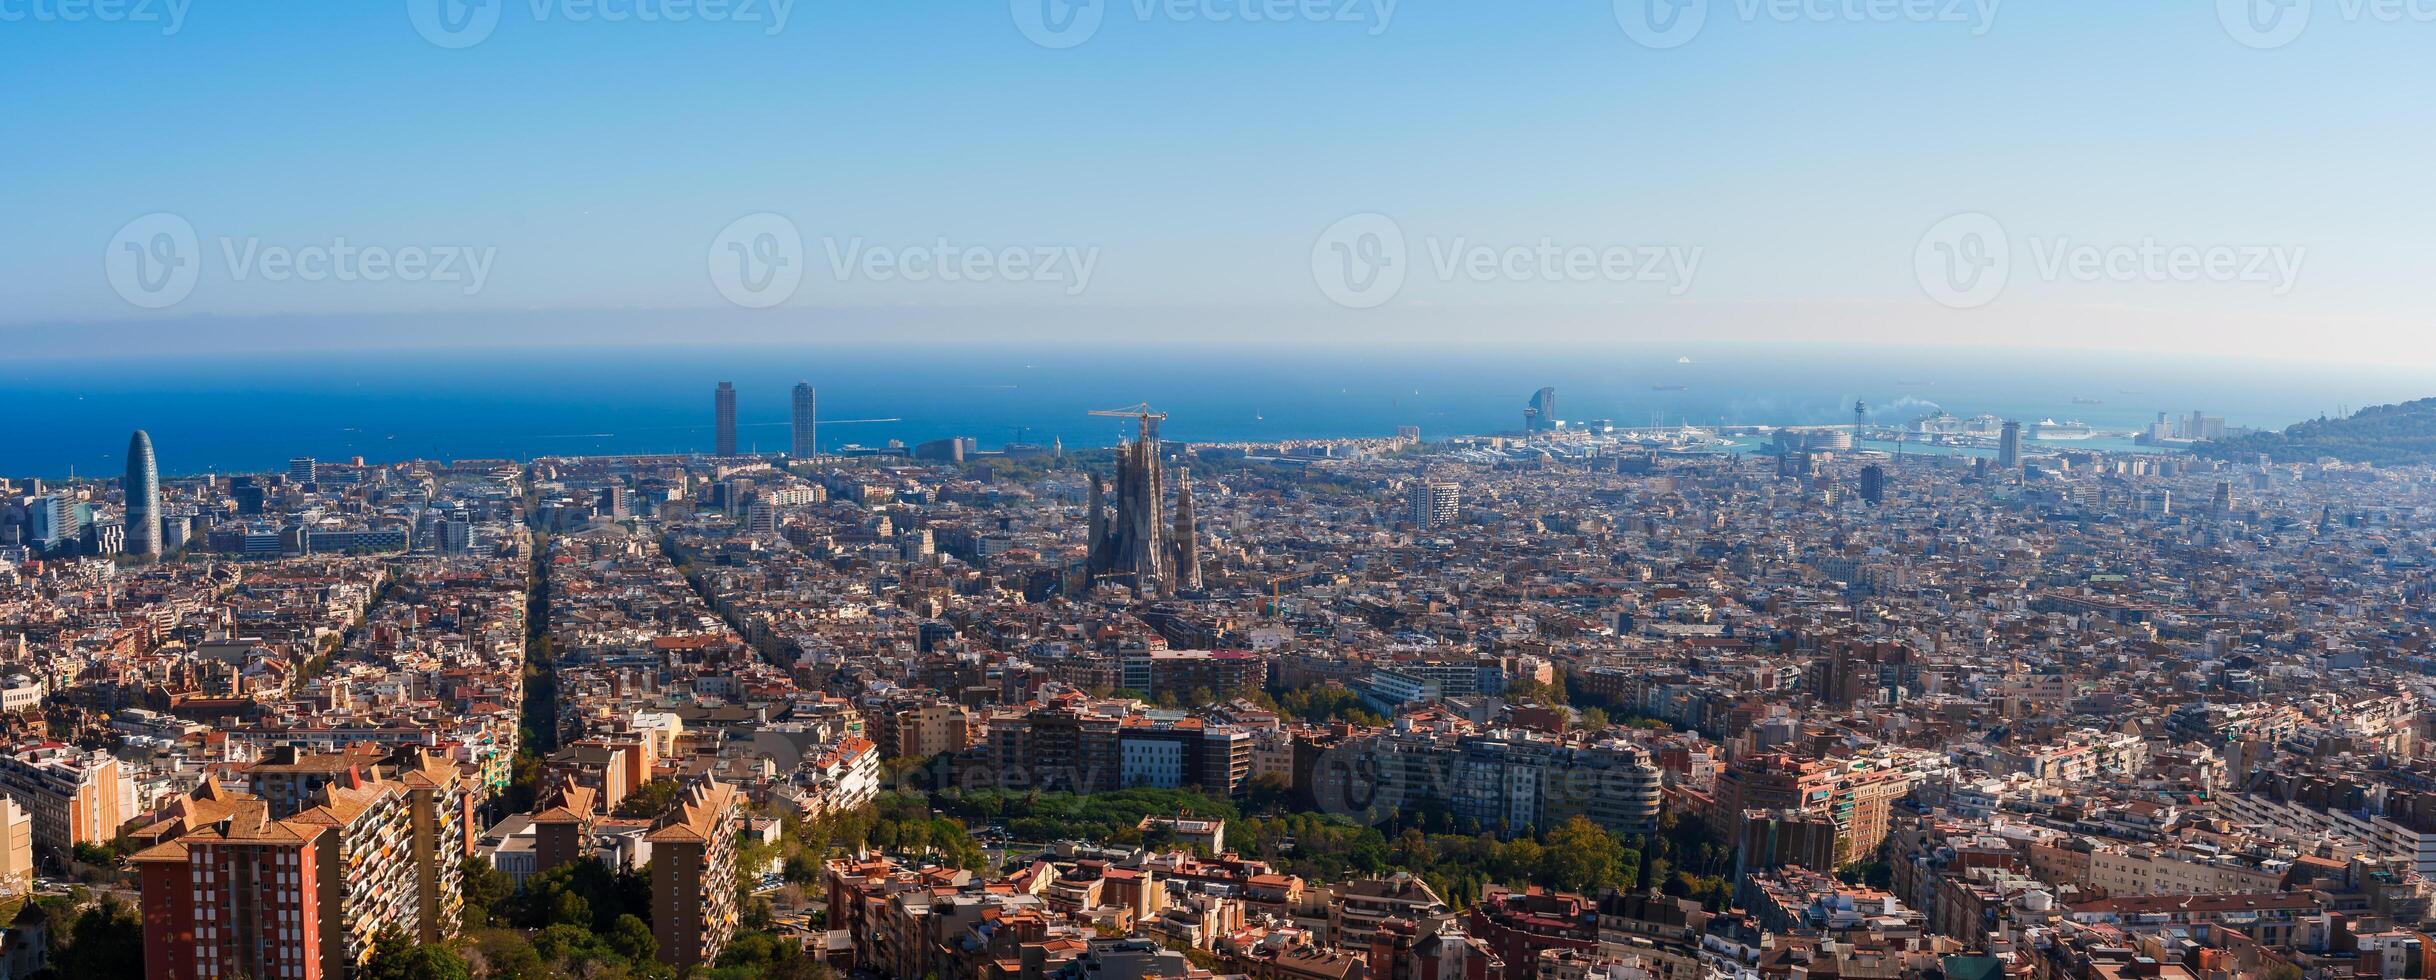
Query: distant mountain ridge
(2386,435)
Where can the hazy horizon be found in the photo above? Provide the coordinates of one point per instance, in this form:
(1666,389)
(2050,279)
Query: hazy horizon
(1453,330)
(236,412)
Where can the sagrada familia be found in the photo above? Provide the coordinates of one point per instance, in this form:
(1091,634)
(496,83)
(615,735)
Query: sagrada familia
(1134,545)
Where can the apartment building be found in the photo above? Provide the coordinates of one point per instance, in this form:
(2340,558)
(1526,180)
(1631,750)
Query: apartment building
(925,729)
(2407,836)
(562,827)
(440,803)
(693,874)
(1516,779)
(2080,757)
(232,889)
(240,895)
(841,777)
(370,880)
(435,797)
(609,769)
(16,848)
(1357,909)
(1857,794)
(73,795)
(1221,673)
(290,779)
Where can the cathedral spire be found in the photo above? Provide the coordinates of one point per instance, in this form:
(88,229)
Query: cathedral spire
(1095,544)
(1187,543)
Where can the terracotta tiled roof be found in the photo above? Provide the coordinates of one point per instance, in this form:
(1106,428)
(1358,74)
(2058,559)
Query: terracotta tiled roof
(574,803)
(699,815)
(343,805)
(249,822)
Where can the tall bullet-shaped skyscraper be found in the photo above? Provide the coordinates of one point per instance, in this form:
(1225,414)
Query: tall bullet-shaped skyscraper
(2009,445)
(807,423)
(143,489)
(723,405)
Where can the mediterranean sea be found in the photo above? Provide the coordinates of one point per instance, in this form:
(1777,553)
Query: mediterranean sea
(252,412)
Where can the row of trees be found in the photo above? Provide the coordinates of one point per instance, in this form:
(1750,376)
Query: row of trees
(1459,862)
(537,728)
(1320,705)
(555,953)
(897,822)
(1576,856)
(1113,817)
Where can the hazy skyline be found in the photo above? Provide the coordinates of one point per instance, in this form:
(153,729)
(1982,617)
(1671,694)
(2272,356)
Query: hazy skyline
(2196,176)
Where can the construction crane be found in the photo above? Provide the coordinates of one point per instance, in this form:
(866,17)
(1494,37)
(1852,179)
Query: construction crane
(1150,418)
(1276,599)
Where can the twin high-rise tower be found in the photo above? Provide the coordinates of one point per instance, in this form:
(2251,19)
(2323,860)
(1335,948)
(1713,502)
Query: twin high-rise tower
(805,441)
(723,410)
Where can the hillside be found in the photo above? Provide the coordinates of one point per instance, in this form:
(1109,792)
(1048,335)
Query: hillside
(2387,435)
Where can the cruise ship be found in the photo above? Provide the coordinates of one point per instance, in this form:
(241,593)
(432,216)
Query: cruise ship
(2050,430)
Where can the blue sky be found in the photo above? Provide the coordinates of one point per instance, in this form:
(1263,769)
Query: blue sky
(1788,163)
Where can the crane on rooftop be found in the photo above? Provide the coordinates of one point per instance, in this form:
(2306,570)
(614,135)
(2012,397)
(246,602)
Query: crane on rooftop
(1149,416)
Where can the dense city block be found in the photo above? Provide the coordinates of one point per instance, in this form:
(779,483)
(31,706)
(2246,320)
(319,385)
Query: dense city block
(1581,704)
